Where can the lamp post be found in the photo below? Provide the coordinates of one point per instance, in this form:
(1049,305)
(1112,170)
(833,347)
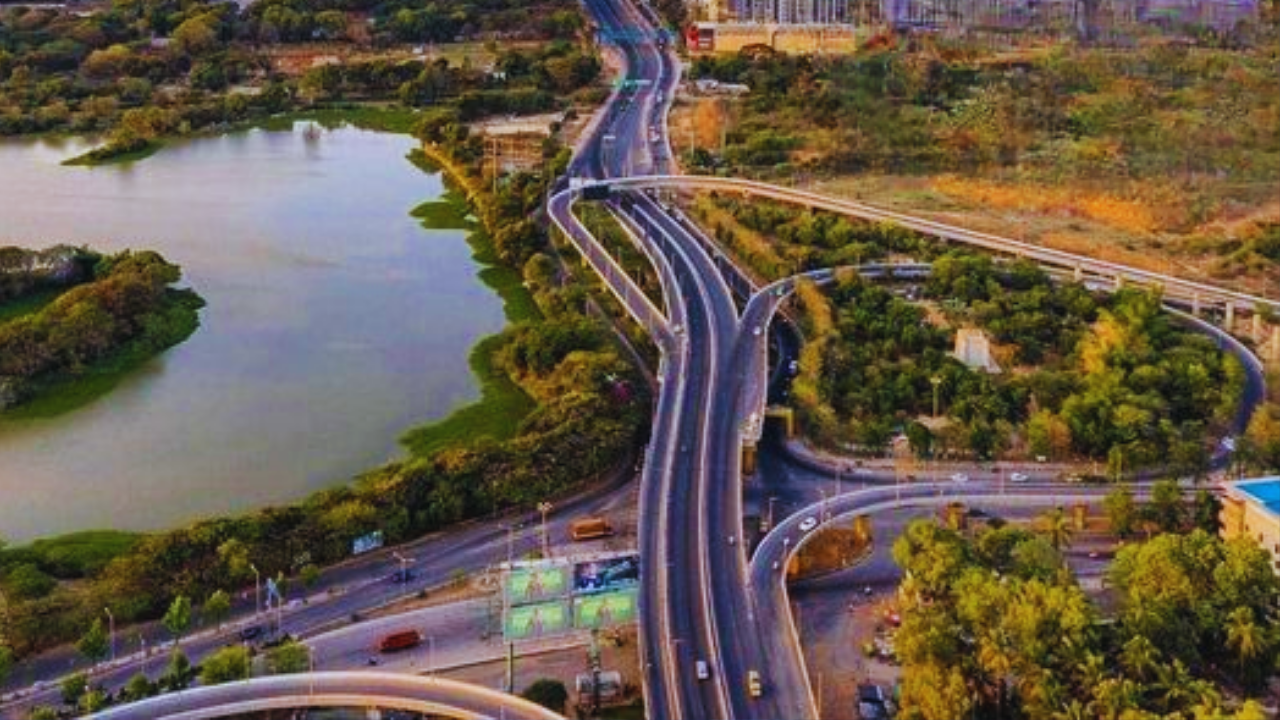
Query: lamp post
(111,631)
(935,381)
(544,508)
(257,590)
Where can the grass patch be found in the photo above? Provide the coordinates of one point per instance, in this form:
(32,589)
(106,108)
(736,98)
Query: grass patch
(107,155)
(81,554)
(27,304)
(63,392)
(502,404)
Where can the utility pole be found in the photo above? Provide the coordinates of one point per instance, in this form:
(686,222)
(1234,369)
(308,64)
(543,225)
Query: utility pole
(404,570)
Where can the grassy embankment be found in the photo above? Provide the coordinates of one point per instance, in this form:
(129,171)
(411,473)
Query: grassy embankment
(502,404)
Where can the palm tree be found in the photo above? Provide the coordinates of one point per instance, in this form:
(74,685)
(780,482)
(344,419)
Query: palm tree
(1140,657)
(1056,527)
(1244,636)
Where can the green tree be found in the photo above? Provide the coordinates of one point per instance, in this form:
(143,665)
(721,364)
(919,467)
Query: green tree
(1121,510)
(225,665)
(310,575)
(1246,639)
(548,693)
(196,35)
(1168,507)
(6,661)
(177,619)
(217,607)
(291,657)
(93,700)
(178,673)
(74,687)
(138,688)
(94,643)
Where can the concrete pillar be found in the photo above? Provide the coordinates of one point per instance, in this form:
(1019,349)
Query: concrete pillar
(1229,320)
(1273,350)
(748,460)
(1080,516)
(862,527)
(1119,281)
(1195,304)
(1078,274)
(1257,326)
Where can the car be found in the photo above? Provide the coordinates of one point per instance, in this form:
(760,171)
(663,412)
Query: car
(794,366)
(960,478)
(402,576)
(808,524)
(701,670)
(872,703)
(732,540)
(253,632)
(754,688)
(758,329)
(1018,478)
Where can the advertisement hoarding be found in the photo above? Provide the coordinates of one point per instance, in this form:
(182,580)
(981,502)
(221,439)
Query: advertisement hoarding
(606,575)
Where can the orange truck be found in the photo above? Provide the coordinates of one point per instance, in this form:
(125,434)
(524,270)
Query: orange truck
(590,528)
(402,640)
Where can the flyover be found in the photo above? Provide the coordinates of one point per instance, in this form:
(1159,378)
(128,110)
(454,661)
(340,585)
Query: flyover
(429,695)
(1196,294)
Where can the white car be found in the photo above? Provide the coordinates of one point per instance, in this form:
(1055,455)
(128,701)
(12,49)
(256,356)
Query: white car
(700,667)
(1018,478)
(960,478)
(808,524)
(759,329)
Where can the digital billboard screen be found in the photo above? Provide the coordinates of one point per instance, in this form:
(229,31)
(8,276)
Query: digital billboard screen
(605,575)
(536,583)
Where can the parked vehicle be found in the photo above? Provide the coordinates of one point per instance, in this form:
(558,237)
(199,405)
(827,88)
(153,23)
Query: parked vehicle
(701,669)
(402,640)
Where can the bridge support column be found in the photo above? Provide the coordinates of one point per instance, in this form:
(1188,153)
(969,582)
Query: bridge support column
(1195,304)
(1229,319)
(1119,282)
(862,528)
(1273,348)
(748,460)
(1078,273)
(1257,326)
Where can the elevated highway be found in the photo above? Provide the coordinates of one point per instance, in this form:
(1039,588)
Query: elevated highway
(429,695)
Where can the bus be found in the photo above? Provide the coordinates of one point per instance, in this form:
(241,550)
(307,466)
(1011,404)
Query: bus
(402,640)
(590,528)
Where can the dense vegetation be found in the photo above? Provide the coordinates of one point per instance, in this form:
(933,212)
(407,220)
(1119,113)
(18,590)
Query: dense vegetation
(1083,376)
(138,71)
(995,625)
(1165,145)
(126,307)
(1110,378)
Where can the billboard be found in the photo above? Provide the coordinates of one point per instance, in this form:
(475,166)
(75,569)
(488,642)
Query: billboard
(530,622)
(536,583)
(606,575)
(365,543)
(605,609)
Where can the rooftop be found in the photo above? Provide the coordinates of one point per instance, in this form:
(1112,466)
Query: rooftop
(1263,491)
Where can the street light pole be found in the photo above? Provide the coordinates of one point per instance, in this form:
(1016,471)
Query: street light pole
(257,590)
(935,381)
(544,508)
(111,625)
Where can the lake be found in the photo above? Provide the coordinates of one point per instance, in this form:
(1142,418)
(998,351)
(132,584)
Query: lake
(335,322)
